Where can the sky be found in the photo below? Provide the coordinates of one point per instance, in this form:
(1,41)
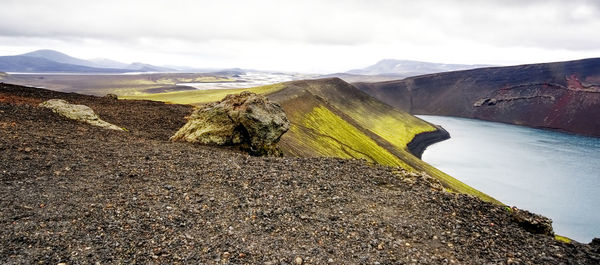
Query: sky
(309,36)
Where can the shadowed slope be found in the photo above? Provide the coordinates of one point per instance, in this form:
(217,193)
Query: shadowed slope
(563,96)
(331,118)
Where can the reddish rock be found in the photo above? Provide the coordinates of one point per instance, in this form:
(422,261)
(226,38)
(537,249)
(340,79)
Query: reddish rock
(563,96)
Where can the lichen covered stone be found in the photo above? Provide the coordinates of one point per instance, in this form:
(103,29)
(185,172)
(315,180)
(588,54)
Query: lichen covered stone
(247,120)
(81,113)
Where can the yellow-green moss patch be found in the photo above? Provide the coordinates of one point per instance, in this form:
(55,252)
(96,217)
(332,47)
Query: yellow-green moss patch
(203,96)
(331,136)
(563,239)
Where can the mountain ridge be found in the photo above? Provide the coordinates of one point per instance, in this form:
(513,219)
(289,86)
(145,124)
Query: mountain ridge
(558,95)
(406,68)
(29,64)
(46,60)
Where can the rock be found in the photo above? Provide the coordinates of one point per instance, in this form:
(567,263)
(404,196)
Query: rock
(298,261)
(111,96)
(533,223)
(421,141)
(247,120)
(595,245)
(77,112)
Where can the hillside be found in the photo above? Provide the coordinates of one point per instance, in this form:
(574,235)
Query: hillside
(78,194)
(563,96)
(332,118)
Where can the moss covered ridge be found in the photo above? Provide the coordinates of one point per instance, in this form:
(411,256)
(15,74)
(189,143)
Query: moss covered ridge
(332,118)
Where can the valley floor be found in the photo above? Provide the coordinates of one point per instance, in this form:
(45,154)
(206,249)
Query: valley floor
(79,194)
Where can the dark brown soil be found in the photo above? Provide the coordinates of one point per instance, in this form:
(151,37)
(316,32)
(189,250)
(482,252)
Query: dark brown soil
(77,194)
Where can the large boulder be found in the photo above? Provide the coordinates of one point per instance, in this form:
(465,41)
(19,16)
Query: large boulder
(247,120)
(81,113)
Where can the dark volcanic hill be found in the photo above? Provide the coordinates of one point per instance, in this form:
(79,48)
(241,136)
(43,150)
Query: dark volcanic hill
(563,96)
(78,194)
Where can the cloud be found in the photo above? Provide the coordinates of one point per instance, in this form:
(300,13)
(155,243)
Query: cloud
(239,31)
(188,20)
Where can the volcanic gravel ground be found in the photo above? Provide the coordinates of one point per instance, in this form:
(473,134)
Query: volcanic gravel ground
(77,194)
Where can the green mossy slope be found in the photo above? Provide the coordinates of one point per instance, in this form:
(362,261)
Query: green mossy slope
(313,128)
(332,118)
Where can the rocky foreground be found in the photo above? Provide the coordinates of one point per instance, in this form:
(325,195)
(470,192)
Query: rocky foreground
(74,193)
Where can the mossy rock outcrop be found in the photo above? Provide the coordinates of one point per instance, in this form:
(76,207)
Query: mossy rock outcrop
(247,120)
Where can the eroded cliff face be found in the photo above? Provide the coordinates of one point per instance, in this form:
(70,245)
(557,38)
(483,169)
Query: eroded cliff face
(563,96)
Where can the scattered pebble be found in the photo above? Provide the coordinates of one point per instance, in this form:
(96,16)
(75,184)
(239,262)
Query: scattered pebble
(347,210)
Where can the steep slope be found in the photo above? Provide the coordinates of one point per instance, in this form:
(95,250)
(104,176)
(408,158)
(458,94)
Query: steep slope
(331,118)
(563,96)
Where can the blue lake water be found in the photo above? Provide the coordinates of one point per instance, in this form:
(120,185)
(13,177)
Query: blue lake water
(550,173)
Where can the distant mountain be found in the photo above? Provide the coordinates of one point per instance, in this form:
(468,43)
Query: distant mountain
(59,57)
(142,67)
(21,63)
(406,68)
(54,61)
(108,63)
(353,78)
(137,66)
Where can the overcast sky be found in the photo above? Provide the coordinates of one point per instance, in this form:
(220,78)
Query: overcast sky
(306,36)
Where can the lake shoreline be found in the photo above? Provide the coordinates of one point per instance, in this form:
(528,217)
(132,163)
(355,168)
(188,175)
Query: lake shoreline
(525,166)
(423,140)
